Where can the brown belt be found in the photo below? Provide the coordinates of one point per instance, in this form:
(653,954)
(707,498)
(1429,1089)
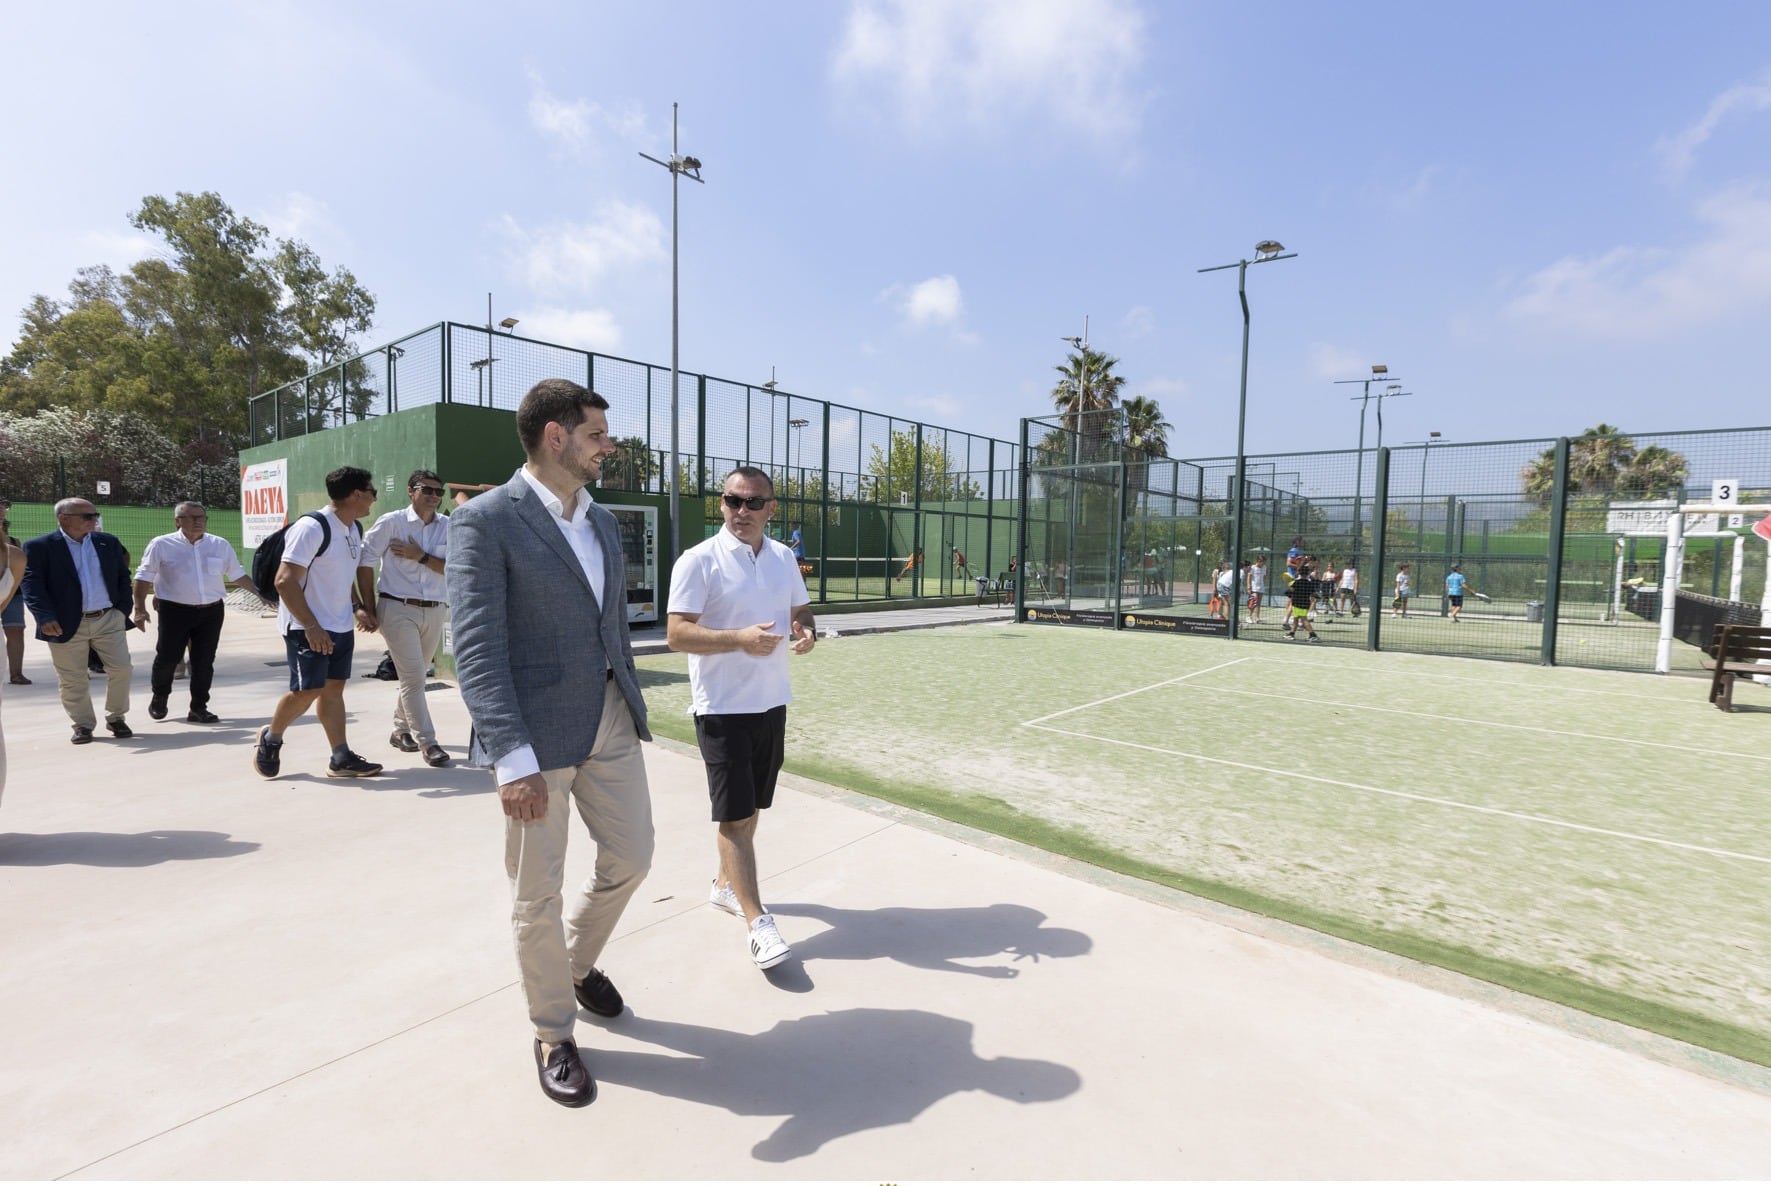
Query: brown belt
(97,613)
(414,601)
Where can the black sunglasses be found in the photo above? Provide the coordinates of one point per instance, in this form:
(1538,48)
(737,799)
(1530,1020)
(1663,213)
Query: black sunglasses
(755,504)
(433,491)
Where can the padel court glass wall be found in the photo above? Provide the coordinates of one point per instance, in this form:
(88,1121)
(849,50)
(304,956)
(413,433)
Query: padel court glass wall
(1560,541)
(888,508)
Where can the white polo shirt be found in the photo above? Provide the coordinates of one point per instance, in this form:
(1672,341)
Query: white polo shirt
(330,576)
(189,573)
(408,578)
(730,587)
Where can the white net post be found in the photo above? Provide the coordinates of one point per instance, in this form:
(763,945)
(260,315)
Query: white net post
(1672,567)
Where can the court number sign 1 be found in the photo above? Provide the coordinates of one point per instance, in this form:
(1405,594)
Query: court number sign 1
(1725,493)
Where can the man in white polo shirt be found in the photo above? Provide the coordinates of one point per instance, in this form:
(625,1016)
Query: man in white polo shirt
(188,572)
(412,545)
(734,599)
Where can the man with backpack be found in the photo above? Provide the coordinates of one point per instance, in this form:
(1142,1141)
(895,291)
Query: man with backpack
(320,592)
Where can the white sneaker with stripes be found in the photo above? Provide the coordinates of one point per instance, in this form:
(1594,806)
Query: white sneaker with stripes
(767,947)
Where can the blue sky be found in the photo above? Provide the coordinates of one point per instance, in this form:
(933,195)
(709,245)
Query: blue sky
(1539,216)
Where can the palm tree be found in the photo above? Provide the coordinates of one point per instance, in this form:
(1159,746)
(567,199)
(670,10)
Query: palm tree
(1086,391)
(1146,431)
(1602,460)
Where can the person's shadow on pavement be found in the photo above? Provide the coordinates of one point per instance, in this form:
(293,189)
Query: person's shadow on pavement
(118,850)
(827,1075)
(935,938)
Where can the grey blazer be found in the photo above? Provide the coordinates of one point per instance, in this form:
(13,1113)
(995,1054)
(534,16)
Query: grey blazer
(530,640)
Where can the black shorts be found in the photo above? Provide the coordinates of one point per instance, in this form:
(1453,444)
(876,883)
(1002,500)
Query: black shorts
(1456,599)
(743,753)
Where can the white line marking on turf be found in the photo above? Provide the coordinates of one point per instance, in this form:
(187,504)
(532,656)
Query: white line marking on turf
(1435,716)
(1335,782)
(1515,685)
(1121,696)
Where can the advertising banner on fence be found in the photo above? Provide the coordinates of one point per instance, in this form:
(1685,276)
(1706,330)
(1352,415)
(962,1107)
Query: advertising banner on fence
(264,500)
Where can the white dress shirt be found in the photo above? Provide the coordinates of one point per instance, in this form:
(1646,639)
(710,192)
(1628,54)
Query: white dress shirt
(581,537)
(731,585)
(189,573)
(93,594)
(401,577)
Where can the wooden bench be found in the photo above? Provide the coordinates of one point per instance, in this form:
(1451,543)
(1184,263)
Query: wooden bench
(1736,650)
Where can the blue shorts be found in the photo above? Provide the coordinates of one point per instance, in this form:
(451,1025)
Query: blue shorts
(14,613)
(308,669)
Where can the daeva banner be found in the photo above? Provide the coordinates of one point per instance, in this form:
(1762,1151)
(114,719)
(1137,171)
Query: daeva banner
(264,500)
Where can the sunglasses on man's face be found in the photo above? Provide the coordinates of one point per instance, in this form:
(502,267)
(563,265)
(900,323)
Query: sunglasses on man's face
(735,501)
(433,491)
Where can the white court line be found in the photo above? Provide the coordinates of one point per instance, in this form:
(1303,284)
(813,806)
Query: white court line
(1121,696)
(1334,782)
(1436,716)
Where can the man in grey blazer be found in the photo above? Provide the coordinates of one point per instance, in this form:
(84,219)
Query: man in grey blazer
(538,595)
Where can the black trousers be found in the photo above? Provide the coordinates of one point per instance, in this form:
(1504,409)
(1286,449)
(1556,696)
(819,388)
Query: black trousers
(196,626)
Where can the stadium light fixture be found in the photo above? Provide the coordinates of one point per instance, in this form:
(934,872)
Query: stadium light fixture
(690,167)
(508,324)
(797,423)
(1266,251)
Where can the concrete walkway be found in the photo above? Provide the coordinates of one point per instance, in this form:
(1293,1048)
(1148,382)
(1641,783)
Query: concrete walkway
(207,975)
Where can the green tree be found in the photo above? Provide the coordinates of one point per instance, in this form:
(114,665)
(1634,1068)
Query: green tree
(1087,397)
(895,473)
(1602,461)
(1146,432)
(635,467)
(184,338)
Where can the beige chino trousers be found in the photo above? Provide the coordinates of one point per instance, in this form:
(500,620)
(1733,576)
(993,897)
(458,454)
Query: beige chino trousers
(610,791)
(412,634)
(109,636)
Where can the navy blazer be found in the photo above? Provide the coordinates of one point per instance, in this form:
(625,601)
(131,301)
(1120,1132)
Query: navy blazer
(52,585)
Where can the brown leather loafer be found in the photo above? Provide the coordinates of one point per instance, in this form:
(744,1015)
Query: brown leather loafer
(563,1077)
(82,735)
(435,755)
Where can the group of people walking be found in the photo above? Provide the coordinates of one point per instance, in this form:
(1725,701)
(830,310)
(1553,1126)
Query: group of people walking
(532,574)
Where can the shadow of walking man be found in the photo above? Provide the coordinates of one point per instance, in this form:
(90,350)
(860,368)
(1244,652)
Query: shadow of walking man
(828,1075)
(934,938)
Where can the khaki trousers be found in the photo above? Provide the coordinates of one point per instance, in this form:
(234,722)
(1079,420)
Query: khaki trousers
(109,636)
(412,634)
(610,791)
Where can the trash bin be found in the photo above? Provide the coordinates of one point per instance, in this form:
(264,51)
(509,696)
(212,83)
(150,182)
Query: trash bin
(1534,611)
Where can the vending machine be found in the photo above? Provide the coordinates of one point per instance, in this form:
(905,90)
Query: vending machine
(639,547)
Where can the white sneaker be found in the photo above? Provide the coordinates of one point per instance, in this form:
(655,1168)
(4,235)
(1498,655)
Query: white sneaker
(725,899)
(767,947)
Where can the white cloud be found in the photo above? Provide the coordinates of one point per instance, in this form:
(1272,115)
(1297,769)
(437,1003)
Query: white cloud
(300,216)
(120,250)
(1161,389)
(935,302)
(573,125)
(587,329)
(1638,292)
(1138,321)
(574,257)
(932,62)
(1677,152)
(1338,362)
(941,408)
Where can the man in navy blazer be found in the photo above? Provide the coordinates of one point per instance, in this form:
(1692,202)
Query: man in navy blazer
(538,599)
(77,585)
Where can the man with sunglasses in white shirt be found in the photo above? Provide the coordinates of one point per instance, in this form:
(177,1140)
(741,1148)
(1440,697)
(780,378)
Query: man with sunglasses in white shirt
(412,545)
(734,600)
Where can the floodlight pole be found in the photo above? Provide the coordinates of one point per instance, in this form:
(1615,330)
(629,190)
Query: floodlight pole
(1379,373)
(1266,251)
(679,166)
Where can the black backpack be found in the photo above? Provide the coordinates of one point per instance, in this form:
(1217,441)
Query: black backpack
(269,556)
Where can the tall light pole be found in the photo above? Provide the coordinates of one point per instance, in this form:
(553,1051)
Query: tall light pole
(1379,373)
(1080,406)
(797,424)
(1426,452)
(690,167)
(1266,251)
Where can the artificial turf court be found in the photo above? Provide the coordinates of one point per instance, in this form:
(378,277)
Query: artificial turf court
(1595,838)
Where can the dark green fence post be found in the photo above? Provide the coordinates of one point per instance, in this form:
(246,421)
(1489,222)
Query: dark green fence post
(824,513)
(1380,523)
(1023,483)
(919,574)
(1116,561)
(1552,586)
(701,436)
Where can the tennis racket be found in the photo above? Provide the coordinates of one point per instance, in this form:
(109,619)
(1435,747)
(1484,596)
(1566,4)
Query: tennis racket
(1480,596)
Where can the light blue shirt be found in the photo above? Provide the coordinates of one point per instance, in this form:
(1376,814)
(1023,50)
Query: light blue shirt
(1454,584)
(93,594)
